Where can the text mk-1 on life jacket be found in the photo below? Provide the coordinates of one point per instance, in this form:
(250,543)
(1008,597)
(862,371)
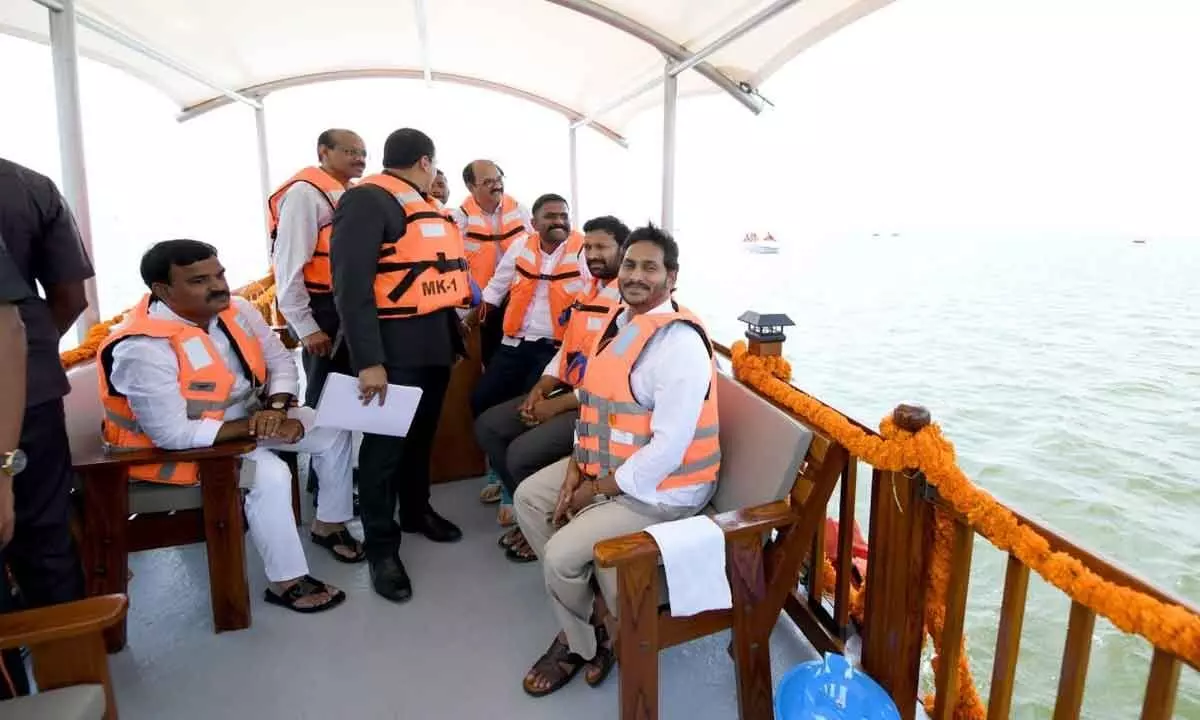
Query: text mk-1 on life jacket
(484,242)
(318,275)
(565,282)
(582,321)
(424,270)
(205,381)
(612,425)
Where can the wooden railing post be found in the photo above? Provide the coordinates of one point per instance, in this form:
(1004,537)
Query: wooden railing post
(901,537)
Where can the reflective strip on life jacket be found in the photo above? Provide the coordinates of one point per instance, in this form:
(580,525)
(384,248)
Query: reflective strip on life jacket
(318,273)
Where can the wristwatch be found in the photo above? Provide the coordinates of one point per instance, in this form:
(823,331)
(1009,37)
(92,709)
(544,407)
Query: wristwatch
(280,405)
(12,462)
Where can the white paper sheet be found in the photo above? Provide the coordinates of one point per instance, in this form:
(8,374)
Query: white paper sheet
(339,407)
(693,552)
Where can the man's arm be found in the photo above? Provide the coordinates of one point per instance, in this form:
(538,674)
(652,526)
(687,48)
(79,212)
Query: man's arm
(61,263)
(359,228)
(295,240)
(682,371)
(146,371)
(500,283)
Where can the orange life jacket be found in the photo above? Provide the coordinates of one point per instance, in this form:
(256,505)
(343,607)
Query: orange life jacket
(613,425)
(424,270)
(205,382)
(318,275)
(484,243)
(565,283)
(583,321)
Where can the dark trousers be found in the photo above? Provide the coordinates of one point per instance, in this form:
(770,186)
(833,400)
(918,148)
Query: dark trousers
(317,368)
(42,553)
(491,332)
(392,469)
(515,450)
(513,372)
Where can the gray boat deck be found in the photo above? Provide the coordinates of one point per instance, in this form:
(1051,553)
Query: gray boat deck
(456,651)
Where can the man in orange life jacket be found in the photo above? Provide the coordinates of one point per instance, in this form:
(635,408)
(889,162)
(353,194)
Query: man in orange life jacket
(440,189)
(646,452)
(190,367)
(540,277)
(528,433)
(403,329)
(300,216)
(491,221)
(301,221)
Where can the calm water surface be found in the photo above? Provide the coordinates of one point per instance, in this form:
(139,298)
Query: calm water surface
(1065,370)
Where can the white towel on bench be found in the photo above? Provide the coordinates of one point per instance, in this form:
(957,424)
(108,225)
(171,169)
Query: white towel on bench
(693,552)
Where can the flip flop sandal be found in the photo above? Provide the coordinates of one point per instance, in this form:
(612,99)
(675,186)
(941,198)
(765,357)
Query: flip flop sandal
(305,586)
(521,556)
(507,539)
(341,538)
(550,666)
(604,661)
(490,495)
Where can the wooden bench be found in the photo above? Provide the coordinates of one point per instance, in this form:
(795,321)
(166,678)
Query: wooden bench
(69,661)
(776,479)
(119,517)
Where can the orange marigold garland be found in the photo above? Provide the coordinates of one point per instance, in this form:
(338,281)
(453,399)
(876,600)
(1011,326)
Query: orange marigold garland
(260,292)
(1167,626)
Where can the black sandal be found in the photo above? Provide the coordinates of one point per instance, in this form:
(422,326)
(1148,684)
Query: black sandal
(305,586)
(604,661)
(509,538)
(344,539)
(550,667)
(520,555)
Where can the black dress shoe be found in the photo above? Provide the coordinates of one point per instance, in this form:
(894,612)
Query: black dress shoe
(390,579)
(433,526)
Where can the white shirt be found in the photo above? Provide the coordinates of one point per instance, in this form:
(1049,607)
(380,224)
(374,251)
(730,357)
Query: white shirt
(671,377)
(303,211)
(495,220)
(146,371)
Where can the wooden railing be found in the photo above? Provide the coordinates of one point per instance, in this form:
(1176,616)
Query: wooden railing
(901,537)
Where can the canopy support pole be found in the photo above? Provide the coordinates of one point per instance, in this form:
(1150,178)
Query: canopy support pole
(264,167)
(670,98)
(65,54)
(573,160)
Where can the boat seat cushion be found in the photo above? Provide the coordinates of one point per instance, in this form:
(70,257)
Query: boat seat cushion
(762,450)
(78,702)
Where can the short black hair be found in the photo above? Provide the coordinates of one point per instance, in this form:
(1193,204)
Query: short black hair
(610,225)
(653,234)
(440,173)
(548,198)
(158,260)
(405,147)
(469,171)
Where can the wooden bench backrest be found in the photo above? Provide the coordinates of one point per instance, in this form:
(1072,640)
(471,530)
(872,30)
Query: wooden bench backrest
(762,448)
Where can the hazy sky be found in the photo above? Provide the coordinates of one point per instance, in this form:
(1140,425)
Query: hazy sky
(966,116)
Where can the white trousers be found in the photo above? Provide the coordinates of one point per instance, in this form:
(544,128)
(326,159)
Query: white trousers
(268,481)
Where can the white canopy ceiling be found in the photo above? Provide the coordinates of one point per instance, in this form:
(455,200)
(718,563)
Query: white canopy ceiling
(575,56)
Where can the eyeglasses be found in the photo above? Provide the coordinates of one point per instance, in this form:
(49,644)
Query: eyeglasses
(353,152)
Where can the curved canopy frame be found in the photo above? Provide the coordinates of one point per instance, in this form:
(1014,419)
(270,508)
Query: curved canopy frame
(226,51)
(263,89)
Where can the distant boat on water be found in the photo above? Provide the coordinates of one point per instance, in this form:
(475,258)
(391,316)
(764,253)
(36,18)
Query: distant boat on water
(1139,241)
(764,245)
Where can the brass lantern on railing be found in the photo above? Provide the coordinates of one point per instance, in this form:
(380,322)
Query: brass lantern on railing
(765,332)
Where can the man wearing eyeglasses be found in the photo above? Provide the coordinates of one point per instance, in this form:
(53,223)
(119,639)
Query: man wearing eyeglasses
(300,214)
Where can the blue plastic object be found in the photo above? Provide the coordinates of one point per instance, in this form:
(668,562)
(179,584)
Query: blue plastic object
(831,689)
(476,293)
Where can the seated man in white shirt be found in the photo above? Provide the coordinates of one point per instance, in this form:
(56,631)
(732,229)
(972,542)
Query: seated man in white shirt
(189,367)
(646,452)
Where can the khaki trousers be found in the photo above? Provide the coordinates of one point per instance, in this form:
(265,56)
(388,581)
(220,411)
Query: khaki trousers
(566,553)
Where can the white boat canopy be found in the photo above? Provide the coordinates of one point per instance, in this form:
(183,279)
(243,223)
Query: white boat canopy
(596,63)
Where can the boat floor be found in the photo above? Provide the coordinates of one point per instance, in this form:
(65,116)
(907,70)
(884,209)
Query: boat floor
(457,650)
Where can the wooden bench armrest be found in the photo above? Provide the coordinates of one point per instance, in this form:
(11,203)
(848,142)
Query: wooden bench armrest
(154,456)
(640,547)
(60,622)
